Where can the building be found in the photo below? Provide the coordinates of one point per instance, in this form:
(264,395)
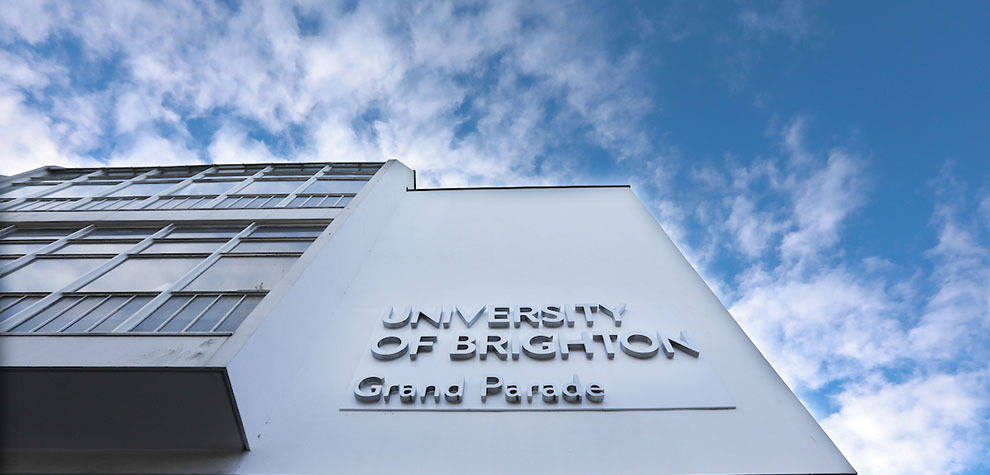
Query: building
(331,317)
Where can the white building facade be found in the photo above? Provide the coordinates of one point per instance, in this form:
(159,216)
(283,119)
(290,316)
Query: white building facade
(333,318)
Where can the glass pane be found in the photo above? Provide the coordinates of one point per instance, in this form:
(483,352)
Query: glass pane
(242,273)
(193,233)
(237,316)
(206,188)
(143,189)
(97,314)
(272,246)
(94,248)
(298,201)
(40,233)
(62,305)
(78,311)
(190,312)
(10,305)
(48,275)
(135,275)
(21,248)
(335,186)
(273,187)
(156,318)
(288,231)
(81,190)
(215,313)
(112,233)
(120,315)
(166,247)
(26,190)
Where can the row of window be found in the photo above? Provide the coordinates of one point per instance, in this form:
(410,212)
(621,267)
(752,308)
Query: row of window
(241,186)
(102,276)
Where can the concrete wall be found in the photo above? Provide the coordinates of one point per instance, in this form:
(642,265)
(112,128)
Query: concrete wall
(489,246)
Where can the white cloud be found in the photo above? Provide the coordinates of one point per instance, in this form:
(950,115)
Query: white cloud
(231,145)
(933,424)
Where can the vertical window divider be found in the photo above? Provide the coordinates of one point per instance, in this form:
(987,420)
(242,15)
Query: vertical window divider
(299,189)
(227,315)
(173,188)
(244,183)
(110,314)
(84,314)
(200,315)
(51,298)
(174,314)
(78,301)
(7,230)
(52,246)
(143,312)
(59,187)
(115,188)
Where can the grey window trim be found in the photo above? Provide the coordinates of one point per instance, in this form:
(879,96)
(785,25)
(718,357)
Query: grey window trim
(151,199)
(59,187)
(110,314)
(6,230)
(86,278)
(134,320)
(225,316)
(219,199)
(84,314)
(114,189)
(203,312)
(309,181)
(52,246)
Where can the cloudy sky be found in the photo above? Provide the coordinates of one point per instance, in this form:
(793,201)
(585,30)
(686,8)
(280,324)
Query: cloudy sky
(826,167)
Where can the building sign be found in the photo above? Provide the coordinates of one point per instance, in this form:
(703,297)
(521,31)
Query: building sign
(586,356)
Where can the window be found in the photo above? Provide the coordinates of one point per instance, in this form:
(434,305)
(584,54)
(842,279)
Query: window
(242,273)
(335,186)
(288,231)
(20,248)
(276,187)
(206,188)
(39,233)
(144,189)
(180,247)
(81,190)
(199,233)
(94,248)
(143,274)
(48,275)
(27,190)
(271,246)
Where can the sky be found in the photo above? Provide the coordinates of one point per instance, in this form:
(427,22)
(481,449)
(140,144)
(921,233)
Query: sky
(824,166)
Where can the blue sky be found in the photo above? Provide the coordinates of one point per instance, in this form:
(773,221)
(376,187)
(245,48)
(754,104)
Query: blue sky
(823,165)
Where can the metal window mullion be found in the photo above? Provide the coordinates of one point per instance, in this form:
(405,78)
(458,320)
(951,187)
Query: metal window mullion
(174,314)
(7,230)
(236,188)
(57,314)
(59,187)
(227,315)
(110,314)
(75,285)
(200,315)
(114,189)
(84,314)
(143,312)
(299,189)
(52,246)
(15,302)
(173,188)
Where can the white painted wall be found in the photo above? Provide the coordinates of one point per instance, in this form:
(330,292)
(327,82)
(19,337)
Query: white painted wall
(490,246)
